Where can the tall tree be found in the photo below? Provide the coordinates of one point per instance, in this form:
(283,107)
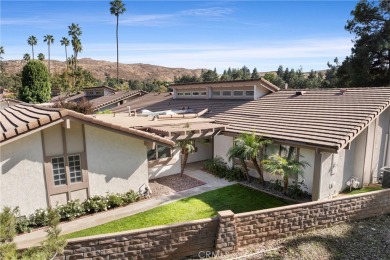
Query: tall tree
(65,41)
(32,40)
(26,57)
(117,8)
(75,32)
(35,83)
(49,39)
(1,52)
(369,62)
(255,74)
(41,56)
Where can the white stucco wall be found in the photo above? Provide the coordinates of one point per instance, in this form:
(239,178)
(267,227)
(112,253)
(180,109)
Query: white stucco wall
(22,181)
(222,145)
(308,172)
(116,163)
(204,152)
(260,91)
(381,147)
(172,167)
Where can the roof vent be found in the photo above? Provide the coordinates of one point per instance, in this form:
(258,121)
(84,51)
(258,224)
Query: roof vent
(342,91)
(300,93)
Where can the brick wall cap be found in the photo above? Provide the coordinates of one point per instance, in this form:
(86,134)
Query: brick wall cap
(225,213)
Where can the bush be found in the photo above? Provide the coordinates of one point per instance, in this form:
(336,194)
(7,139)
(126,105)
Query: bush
(218,167)
(115,200)
(22,225)
(95,204)
(73,209)
(296,190)
(36,86)
(276,185)
(83,106)
(38,218)
(130,197)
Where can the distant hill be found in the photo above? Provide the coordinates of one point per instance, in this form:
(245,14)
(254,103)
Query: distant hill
(98,68)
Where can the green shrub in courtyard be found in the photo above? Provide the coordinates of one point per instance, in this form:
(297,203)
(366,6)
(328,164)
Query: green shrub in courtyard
(73,209)
(96,204)
(218,167)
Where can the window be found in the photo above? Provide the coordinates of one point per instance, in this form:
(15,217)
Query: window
(203,93)
(180,94)
(160,152)
(238,93)
(75,168)
(249,93)
(187,93)
(216,93)
(99,92)
(90,92)
(195,93)
(226,93)
(59,174)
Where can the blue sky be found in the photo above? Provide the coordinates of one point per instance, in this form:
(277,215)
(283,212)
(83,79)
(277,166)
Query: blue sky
(189,34)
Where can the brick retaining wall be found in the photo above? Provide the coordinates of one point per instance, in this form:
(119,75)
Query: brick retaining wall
(228,231)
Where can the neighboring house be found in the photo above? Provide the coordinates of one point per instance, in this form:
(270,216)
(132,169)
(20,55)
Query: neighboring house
(341,133)
(102,98)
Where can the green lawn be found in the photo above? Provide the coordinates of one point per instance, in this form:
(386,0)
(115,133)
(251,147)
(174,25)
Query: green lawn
(236,197)
(362,190)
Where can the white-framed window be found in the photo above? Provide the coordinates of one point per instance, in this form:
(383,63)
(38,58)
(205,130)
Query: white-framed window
(249,93)
(75,168)
(187,93)
(59,174)
(160,152)
(195,93)
(180,94)
(216,93)
(90,92)
(238,93)
(226,93)
(203,93)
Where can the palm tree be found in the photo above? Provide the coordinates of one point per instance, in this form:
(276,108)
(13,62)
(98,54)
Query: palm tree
(117,8)
(65,41)
(26,57)
(32,40)
(186,147)
(1,52)
(49,39)
(286,166)
(236,152)
(75,32)
(41,56)
(249,146)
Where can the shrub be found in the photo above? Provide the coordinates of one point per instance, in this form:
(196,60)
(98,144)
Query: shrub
(73,209)
(22,224)
(296,190)
(38,218)
(218,167)
(130,197)
(115,200)
(95,204)
(276,185)
(83,106)
(36,86)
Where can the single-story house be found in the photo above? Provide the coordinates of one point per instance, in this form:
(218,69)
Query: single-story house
(49,156)
(341,133)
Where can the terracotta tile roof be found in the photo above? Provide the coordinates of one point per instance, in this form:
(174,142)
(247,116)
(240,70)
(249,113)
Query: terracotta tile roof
(22,119)
(73,97)
(262,81)
(115,97)
(322,118)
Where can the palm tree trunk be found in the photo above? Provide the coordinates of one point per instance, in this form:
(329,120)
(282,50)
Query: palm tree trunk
(117,52)
(32,48)
(74,70)
(259,170)
(66,57)
(246,171)
(183,163)
(285,184)
(49,57)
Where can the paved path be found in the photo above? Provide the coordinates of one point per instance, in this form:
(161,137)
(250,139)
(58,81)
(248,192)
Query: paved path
(193,170)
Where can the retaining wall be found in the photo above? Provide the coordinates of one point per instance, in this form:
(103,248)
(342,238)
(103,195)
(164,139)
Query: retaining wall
(227,232)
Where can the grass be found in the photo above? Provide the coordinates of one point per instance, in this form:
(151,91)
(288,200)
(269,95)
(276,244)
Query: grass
(236,197)
(362,190)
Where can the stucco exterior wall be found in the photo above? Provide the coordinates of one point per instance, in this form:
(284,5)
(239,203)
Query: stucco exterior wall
(308,171)
(22,181)
(204,152)
(116,163)
(260,91)
(379,156)
(222,144)
(165,169)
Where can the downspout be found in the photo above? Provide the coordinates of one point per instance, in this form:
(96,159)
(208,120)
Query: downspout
(386,150)
(372,154)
